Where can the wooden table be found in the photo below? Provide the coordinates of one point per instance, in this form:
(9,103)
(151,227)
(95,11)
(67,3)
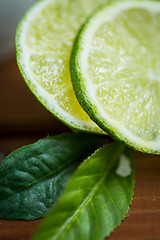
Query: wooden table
(23,120)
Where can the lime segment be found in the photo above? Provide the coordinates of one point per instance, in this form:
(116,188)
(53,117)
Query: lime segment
(116,68)
(44,41)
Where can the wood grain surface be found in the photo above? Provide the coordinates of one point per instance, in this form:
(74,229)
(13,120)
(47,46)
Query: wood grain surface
(23,120)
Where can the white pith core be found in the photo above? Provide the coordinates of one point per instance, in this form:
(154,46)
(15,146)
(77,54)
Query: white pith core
(154,75)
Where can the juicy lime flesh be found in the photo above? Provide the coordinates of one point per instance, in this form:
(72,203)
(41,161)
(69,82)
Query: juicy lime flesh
(50,37)
(124,69)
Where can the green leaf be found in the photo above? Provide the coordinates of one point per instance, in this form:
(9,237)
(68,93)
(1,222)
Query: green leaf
(95,200)
(32,177)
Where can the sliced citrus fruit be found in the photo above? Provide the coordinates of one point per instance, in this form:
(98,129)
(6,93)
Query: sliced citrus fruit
(44,41)
(116,72)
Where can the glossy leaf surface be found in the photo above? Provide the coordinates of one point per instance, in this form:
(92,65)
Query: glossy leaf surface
(32,177)
(95,200)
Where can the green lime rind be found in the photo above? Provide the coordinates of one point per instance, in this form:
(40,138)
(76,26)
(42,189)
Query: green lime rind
(58,112)
(80,91)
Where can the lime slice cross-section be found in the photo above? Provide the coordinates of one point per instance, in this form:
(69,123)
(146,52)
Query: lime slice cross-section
(116,72)
(44,40)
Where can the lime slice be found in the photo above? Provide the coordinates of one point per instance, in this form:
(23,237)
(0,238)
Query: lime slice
(116,72)
(44,40)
